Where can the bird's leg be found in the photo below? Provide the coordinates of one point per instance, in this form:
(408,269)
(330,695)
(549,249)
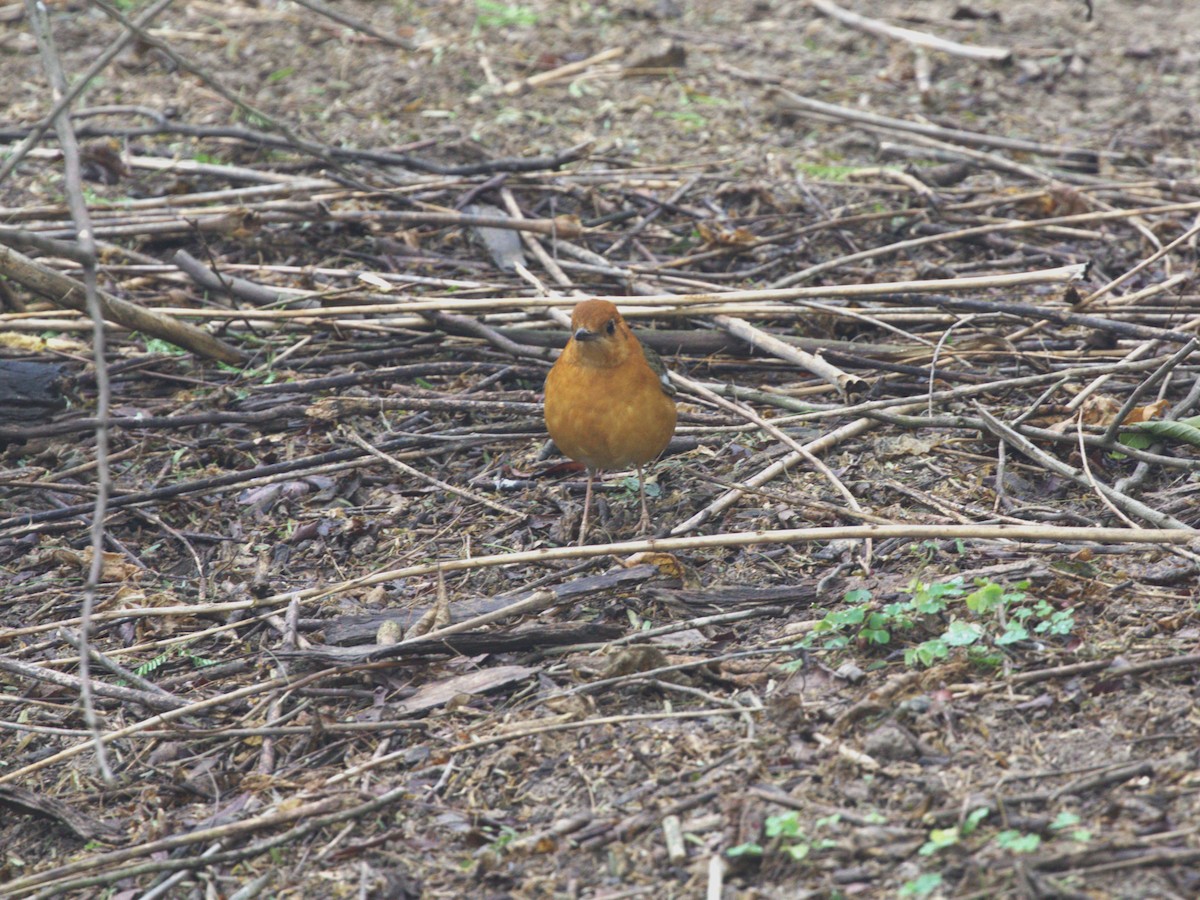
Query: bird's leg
(644,524)
(587,505)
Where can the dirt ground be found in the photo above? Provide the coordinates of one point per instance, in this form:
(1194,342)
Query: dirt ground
(762,703)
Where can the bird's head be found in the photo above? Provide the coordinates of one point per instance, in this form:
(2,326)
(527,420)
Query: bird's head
(600,335)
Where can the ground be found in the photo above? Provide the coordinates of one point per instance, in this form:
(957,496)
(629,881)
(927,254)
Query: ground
(760,703)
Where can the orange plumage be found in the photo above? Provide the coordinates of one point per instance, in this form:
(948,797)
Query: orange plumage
(607,406)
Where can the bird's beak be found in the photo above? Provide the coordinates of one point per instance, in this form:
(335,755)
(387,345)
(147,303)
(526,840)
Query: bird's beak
(583,335)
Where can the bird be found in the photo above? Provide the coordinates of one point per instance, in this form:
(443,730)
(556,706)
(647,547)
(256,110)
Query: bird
(609,400)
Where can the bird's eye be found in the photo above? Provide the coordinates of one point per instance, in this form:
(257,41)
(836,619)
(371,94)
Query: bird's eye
(611,327)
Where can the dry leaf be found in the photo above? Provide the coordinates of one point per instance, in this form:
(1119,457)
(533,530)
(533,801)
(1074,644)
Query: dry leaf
(659,54)
(1096,410)
(568,226)
(437,616)
(635,659)
(32,343)
(1059,200)
(380,284)
(1101,410)
(663,560)
(720,237)
(905,445)
(668,565)
(258,782)
(1146,413)
(439,693)
(114,568)
(326,409)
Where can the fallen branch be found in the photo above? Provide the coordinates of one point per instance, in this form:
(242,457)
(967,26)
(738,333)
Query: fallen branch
(67,292)
(520,85)
(789,101)
(847,385)
(916,38)
(922,531)
(664,304)
(1125,503)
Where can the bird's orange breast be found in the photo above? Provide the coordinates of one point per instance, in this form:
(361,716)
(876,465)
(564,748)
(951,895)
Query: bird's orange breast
(608,417)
